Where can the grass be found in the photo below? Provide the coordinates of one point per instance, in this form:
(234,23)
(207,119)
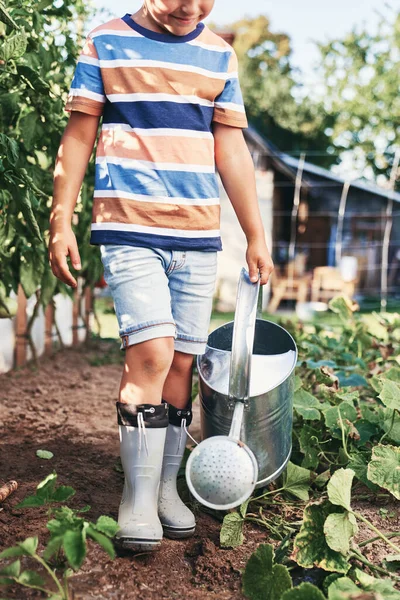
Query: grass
(109,327)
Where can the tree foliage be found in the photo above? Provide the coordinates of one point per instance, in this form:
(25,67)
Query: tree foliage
(274,100)
(38,50)
(361,79)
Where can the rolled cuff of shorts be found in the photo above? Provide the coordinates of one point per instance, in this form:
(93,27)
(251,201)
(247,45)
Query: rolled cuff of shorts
(184,343)
(147,332)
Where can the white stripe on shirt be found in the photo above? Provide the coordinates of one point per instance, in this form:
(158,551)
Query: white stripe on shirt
(159,199)
(185,233)
(132,63)
(87,94)
(129,163)
(159,131)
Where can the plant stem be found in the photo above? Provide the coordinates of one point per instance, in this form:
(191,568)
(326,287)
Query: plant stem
(36,587)
(364,561)
(52,575)
(269,493)
(343,435)
(379,533)
(390,428)
(389,535)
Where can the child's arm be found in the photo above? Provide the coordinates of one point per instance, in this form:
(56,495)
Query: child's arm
(72,159)
(236,169)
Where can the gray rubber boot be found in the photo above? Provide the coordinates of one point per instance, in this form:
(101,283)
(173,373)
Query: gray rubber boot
(176,519)
(142,435)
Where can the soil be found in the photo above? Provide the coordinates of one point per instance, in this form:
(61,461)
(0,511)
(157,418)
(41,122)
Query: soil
(67,406)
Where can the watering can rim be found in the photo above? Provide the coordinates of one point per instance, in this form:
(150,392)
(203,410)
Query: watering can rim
(288,374)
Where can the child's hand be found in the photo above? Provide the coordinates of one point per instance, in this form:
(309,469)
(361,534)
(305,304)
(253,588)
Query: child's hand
(62,244)
(259,261)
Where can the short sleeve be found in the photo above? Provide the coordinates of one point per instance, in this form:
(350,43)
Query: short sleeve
(228,106)
(87,91)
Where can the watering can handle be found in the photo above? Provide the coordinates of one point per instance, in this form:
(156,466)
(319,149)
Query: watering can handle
(247,303)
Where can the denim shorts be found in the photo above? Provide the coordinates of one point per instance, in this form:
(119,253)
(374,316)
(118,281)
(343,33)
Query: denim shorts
(161,293)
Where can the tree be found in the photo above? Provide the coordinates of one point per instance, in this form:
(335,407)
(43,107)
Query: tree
(274,101)
(38,50)
(361,78)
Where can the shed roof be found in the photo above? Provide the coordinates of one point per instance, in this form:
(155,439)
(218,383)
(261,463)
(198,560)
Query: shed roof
(288,165)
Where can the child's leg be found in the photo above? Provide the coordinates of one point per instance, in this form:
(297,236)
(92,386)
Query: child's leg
(191,284)
(146,368)
(178,384)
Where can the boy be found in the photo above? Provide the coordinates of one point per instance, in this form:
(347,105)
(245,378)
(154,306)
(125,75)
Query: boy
(167,90)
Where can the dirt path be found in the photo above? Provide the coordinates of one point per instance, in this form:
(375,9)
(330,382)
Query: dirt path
(68,407)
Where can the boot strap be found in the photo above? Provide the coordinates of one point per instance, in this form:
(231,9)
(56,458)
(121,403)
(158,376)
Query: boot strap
(152,416)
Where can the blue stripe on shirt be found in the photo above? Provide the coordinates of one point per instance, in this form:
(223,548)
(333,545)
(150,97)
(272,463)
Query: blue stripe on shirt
(231,93)
(88,77)
(150,182)
(144,240)
(149,115)
(112,47)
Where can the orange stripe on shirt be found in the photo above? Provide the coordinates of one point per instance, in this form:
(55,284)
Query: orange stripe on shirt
(173,149)
(122,80)
(152,214)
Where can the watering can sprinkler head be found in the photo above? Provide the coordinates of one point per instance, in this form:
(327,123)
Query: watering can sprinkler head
(222,471)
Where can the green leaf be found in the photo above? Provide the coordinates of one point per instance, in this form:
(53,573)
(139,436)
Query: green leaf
(332,418)
(297,383)
(10,148)
(343,307)
(392,562)
(243,507)
(380,586)
(306,405)
(26,201)
(309,446)
(305,591)
(343,589)
(384,468)
(34,80)
(31,578)
(359,464)
(296,481)
(11,570)
(339,528)
(31,502)
(339,488)
(44,454)
(45,489)
(262,580)
(390,394)
(310,546)
(52,547)
(107,525)
(392,374)
(62,493)
(102,540)
(29,129)
(74,545)
(6,18)
(13,46)
(12,551)
(390,425)
(231,534)
(6,581)
(29,545)
(47,285)
(322,479)
(30,276)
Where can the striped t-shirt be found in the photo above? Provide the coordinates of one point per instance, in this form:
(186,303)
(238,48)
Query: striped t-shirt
(158,94)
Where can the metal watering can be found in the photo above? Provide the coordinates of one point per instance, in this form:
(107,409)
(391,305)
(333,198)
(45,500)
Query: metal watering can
(246,391)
